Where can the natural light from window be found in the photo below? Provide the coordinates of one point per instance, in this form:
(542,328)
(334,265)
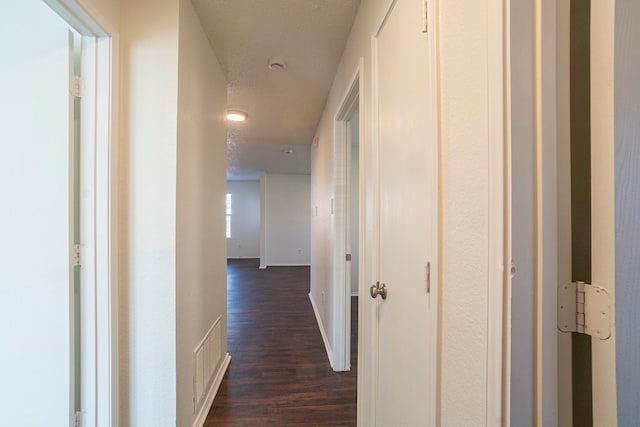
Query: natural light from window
(228,215)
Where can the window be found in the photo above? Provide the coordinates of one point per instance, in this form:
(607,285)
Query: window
(228,215)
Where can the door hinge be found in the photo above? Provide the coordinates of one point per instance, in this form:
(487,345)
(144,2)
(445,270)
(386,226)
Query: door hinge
(77,419)
(585,309)
(427,276)
(76,255)
(425,16)
(76,86)
(348,257)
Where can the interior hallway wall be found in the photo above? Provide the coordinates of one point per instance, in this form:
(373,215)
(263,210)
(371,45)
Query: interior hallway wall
(147,291)
(245,219)
(172,269)
(201,282)
(286,221)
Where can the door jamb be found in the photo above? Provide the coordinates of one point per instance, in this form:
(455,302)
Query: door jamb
(497,204)
(541,253)
(99,220)
(351,102)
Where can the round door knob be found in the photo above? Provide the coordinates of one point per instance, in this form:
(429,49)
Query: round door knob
(378,289)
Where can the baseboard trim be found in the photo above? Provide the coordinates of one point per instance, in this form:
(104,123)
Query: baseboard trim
(287,265)
(323,332)
(354,294)
(213,390)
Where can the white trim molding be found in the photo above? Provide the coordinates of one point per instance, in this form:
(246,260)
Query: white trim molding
(323,331)
(496,205)
(213,391)
(350,103)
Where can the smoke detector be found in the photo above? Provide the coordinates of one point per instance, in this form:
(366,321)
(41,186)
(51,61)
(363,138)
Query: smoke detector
(277,64)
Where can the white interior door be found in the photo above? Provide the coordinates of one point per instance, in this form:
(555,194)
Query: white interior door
(407,218)
(35,217)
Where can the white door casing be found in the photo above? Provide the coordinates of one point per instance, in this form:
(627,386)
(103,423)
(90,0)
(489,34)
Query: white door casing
(405,133)
(349,107)
(98,211)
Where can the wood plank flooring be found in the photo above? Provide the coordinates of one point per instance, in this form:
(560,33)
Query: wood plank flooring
(279,373)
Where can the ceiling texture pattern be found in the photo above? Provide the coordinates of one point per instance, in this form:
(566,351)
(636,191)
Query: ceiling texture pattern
(284,107)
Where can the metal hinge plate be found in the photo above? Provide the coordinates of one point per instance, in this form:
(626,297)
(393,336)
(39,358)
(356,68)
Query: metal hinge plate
(425,16)
(348,257)
(76,255)
(77,419)
(585,309)
(76,86)
(427,277)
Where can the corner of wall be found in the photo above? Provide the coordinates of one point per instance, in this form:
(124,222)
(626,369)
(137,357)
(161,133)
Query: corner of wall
(323,331)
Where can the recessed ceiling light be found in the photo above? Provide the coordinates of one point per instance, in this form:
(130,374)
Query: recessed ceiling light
(277,64)
(236,116)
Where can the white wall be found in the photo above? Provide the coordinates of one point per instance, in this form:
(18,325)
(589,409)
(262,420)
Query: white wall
(245,219)
(464,198)
(201,252)
(147,324)
(286,220)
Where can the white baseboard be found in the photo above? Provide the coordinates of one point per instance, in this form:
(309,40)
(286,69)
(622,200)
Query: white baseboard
(287,265)
(262,267)
(323,332)
(354,294)
(213,390)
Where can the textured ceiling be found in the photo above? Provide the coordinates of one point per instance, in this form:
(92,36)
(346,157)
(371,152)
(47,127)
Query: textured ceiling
(283,107)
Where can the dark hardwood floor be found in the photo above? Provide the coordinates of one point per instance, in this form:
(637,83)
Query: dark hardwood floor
(279,373)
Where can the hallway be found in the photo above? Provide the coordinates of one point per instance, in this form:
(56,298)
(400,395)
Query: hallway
(279,373)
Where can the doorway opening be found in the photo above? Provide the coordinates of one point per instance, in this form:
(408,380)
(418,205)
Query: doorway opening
(347,220)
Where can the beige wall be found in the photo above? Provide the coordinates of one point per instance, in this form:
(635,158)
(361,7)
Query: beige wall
(201,188)
(106,12)
(465,196)
(148,113)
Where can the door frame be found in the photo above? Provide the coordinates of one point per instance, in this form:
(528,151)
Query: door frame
(498,210)
(350,103)
(368,357)
(98,212)
(549,181)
